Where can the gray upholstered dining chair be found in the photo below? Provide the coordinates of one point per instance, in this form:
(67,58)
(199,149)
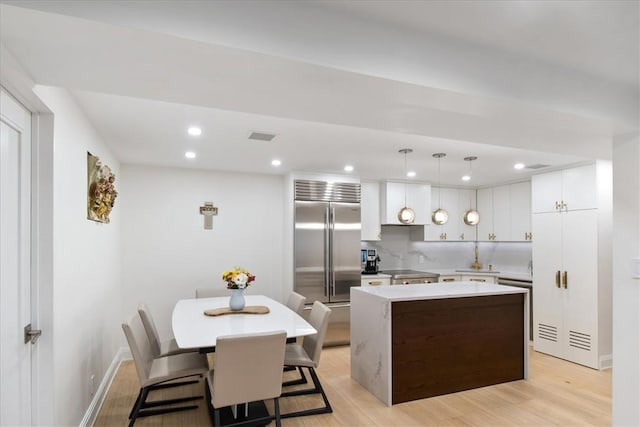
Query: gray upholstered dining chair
(296,302)
(307,356)
(158,347)
(248,368)
(154,373)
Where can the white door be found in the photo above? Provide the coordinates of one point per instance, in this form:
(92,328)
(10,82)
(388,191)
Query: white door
(548,294)
(580,262)
(15,256)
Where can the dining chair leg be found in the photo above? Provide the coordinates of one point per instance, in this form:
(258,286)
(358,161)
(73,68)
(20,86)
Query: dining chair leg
(140,408)
(216,417)
(315,390)
(301,380)
(276,411)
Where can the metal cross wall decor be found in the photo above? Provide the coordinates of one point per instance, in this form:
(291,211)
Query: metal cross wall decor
(208,210)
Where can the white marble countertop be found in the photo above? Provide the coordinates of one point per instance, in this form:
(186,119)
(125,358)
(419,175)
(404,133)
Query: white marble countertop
(438,290)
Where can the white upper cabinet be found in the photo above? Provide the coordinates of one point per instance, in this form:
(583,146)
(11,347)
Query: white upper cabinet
(455,202)
(565,190)
(505,213)
(466,201)
(521,211)
(370,211)
(418,198)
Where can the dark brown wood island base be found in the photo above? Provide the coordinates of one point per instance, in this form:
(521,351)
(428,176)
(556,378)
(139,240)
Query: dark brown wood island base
(442,346)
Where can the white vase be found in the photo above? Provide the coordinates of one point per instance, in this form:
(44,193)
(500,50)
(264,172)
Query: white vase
(236,303)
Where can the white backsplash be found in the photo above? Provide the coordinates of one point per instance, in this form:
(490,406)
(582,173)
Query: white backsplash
(397,250)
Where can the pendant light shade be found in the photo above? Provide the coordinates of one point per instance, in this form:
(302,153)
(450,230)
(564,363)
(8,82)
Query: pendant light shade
(439,216)
(472,216)
(406,215)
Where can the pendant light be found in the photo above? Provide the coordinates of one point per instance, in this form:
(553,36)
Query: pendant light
(406,215)
(471,217)
(439,216)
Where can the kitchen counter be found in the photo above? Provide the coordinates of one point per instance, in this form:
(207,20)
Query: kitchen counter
(477,336)
(438,291)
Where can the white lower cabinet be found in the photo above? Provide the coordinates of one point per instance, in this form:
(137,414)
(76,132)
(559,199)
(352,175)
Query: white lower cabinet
(466,278)
(477,278)
(375,281)
(566,284)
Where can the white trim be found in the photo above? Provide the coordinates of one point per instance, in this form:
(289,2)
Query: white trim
(606,362)
(101,393)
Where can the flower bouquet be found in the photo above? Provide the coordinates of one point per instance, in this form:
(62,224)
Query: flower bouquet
(238,278)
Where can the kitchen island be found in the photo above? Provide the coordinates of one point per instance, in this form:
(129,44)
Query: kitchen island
(415,341)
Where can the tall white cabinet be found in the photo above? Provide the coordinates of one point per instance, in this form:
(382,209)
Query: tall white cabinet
(572,264)
(370,211)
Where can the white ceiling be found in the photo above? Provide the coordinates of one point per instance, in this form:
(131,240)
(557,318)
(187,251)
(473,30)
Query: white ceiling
(341,82)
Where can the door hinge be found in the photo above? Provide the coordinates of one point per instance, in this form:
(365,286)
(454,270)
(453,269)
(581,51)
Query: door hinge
(31,335)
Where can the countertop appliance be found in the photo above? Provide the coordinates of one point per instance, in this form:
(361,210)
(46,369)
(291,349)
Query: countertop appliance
(410,277)
(521,283)
(370,260)
(326,243)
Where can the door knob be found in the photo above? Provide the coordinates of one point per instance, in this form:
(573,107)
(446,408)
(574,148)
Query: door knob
(31,335)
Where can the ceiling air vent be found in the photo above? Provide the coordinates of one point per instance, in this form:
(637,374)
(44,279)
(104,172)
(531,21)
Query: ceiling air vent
(537,166)
(261,136)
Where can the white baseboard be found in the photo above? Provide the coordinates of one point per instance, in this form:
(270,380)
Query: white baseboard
(101,393)
(606,362)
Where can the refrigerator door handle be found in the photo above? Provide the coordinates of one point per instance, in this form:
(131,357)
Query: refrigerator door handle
(327,248)
(332,222)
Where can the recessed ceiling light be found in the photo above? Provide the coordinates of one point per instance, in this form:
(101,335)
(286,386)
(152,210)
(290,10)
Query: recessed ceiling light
(194,131)
(190,155)
(518,166)
(348,168)
(466,178)
(276,162)
(411,174)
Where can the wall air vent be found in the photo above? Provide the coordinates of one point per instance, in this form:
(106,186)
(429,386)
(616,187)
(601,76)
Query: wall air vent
(261,136)
(580,340)
(537,166)
(547,332)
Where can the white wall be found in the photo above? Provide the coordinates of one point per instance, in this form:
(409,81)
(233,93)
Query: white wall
(167,253)
(626,291)
(86,264)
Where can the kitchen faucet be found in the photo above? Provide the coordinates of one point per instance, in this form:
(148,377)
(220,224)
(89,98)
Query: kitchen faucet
(476,265)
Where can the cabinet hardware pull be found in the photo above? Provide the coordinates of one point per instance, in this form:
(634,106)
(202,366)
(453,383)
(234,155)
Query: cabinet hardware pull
(558,278)
(565,280)
(563,206)
(375,282)
(477,280)
(449,280)
(462,236)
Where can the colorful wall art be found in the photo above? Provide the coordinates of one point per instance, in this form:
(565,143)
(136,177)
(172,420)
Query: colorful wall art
(101,190)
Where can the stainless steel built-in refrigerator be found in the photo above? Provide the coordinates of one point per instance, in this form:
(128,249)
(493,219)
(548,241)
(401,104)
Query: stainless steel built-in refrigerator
(327,248)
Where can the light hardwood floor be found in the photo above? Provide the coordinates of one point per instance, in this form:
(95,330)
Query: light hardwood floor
(557,393)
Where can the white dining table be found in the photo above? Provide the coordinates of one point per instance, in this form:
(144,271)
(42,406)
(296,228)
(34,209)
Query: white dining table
(193,329)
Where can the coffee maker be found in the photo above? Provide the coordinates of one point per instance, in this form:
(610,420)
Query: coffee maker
(369,260)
